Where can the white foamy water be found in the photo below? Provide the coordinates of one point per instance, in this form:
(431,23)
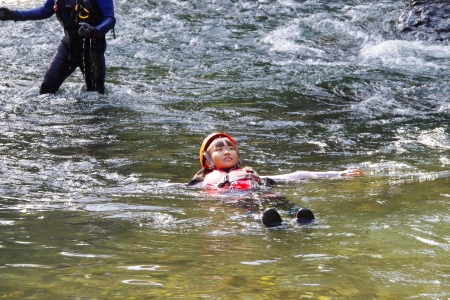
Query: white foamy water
(92,195)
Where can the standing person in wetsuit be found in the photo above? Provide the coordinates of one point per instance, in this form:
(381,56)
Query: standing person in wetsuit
(85,24)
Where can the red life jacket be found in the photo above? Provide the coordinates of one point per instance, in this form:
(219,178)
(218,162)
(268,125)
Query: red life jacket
(236,179)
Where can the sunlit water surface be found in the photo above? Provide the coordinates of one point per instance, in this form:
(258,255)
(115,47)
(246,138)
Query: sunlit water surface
(92,205)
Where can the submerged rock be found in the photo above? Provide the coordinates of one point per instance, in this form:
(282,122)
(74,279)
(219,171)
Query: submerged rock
(425,20)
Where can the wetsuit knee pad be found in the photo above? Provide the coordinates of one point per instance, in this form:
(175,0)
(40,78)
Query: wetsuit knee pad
(46,89)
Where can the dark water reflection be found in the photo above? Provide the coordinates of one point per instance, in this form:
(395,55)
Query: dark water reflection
(91,204)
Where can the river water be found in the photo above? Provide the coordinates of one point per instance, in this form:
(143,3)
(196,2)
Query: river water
(92,205)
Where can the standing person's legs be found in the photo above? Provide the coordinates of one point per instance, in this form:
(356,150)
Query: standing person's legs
(93,66)
(59,69)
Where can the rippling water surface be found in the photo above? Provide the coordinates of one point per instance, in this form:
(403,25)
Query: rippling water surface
(91,205)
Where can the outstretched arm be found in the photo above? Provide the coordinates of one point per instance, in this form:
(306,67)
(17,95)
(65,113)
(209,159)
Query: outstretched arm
(42,12)
(316,175)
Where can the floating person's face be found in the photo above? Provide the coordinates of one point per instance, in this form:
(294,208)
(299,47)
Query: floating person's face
(223,154)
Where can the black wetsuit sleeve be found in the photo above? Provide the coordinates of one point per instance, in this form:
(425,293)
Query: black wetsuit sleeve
(39,13)
(264,180)
(270,181)
(195,181)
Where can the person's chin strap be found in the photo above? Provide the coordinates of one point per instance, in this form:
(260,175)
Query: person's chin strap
(212,167)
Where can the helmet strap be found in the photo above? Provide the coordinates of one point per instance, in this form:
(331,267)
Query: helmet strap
(209,160)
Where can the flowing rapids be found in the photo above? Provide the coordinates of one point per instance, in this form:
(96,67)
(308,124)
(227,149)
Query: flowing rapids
(92,204)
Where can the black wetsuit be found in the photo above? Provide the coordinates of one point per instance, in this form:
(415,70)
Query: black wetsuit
(86,54)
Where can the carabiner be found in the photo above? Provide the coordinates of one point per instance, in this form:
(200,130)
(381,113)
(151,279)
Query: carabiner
(81,9)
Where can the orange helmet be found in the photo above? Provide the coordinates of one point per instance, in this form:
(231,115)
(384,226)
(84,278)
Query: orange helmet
(207,141)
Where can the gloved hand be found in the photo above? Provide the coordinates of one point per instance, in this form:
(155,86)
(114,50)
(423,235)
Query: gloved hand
(6,14)
(87,31)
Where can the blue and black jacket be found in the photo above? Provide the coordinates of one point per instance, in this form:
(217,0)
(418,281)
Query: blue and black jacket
(97,13)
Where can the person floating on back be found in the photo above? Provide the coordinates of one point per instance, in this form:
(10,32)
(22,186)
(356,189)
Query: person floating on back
(221,170)
(85,23)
